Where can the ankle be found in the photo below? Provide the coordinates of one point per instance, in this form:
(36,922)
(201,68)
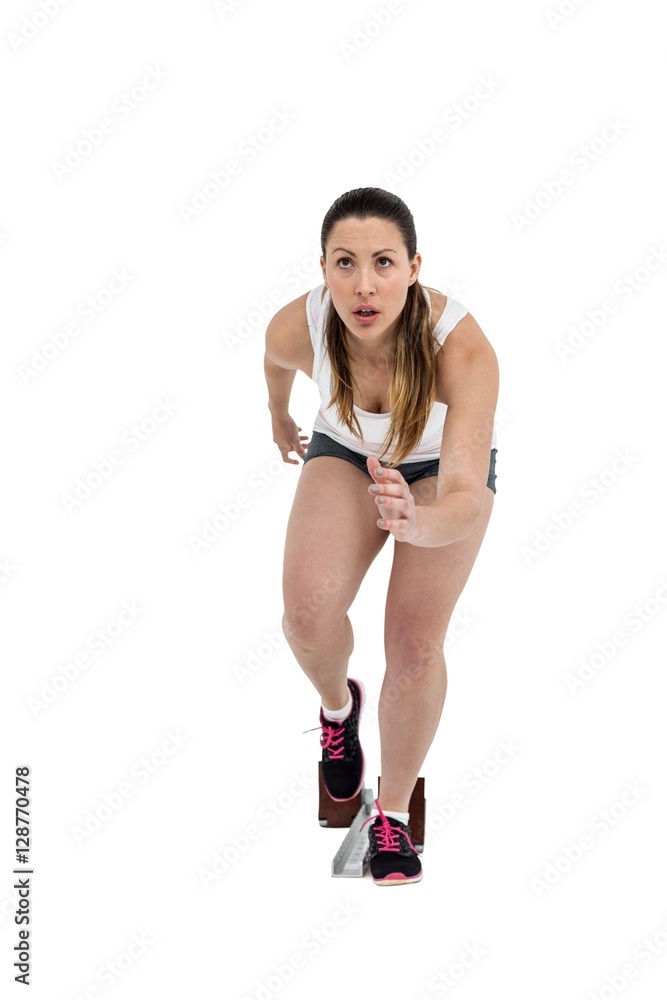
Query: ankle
(394,805)
(401,814)
(338,710)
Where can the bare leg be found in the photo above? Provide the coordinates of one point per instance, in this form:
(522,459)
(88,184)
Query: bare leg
(332,538)
(424,587)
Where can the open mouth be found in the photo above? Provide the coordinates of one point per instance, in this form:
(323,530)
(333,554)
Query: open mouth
(365,312)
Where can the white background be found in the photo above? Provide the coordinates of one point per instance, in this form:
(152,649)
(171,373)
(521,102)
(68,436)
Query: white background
(188,329)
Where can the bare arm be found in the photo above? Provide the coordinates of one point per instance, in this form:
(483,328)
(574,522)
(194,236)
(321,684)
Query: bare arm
(469,379)
(282,359)
(279,381)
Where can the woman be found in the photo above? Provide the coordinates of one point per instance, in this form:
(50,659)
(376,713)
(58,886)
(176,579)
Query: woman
(403,445)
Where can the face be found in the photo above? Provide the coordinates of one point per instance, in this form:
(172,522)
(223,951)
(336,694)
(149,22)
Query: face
(367,265)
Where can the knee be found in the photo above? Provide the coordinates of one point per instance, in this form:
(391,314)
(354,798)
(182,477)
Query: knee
(411,652)
(297,626)
(411,661)
(307,625)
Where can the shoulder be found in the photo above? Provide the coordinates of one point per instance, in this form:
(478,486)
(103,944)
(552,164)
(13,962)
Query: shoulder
(466,354)
(438,304)
(287,340)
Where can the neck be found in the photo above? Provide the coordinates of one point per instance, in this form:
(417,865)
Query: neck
(378,354)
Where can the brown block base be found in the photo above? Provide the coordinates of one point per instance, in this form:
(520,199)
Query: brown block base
(341,814)
(417,811)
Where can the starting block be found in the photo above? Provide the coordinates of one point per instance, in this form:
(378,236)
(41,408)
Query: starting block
(351,858)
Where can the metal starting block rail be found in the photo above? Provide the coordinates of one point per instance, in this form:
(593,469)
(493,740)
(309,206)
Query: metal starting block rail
(351,858)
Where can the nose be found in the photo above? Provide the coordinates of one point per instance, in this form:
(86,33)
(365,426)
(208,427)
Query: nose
(365,282)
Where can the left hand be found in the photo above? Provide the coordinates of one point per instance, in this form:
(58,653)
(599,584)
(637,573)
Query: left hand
(398,509)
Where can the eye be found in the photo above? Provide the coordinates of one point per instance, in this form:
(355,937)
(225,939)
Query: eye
(342,260)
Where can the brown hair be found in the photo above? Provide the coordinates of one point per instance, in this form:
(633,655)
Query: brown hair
(412,385)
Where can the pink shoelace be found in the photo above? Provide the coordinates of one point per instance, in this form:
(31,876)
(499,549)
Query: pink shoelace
(331,739)
(388,836)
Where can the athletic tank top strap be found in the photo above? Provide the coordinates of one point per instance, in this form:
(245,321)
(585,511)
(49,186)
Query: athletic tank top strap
(316,311)
(451,314)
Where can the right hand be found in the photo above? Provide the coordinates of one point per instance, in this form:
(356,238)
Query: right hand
(286,436)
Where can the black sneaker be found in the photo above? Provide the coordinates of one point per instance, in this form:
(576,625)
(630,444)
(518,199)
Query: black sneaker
(392,855)
(342,756)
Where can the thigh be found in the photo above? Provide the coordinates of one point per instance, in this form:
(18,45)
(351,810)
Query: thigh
(426,583)
(332,538)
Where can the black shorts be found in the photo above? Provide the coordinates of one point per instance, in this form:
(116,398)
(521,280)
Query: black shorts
(322,444)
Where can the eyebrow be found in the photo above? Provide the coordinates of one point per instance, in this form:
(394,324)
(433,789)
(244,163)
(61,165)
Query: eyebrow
(376,254)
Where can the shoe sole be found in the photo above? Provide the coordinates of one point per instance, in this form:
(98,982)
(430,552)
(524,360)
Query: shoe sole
(362,701)
(397,879)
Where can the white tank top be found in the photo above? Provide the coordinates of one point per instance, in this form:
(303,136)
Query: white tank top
(374,426)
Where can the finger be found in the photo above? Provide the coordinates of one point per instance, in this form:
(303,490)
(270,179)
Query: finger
(397,528)
(398,490)
(394,516)
(392,506)
(302,437)
(373,464)
(379,471)
(381,475)
(392,525)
